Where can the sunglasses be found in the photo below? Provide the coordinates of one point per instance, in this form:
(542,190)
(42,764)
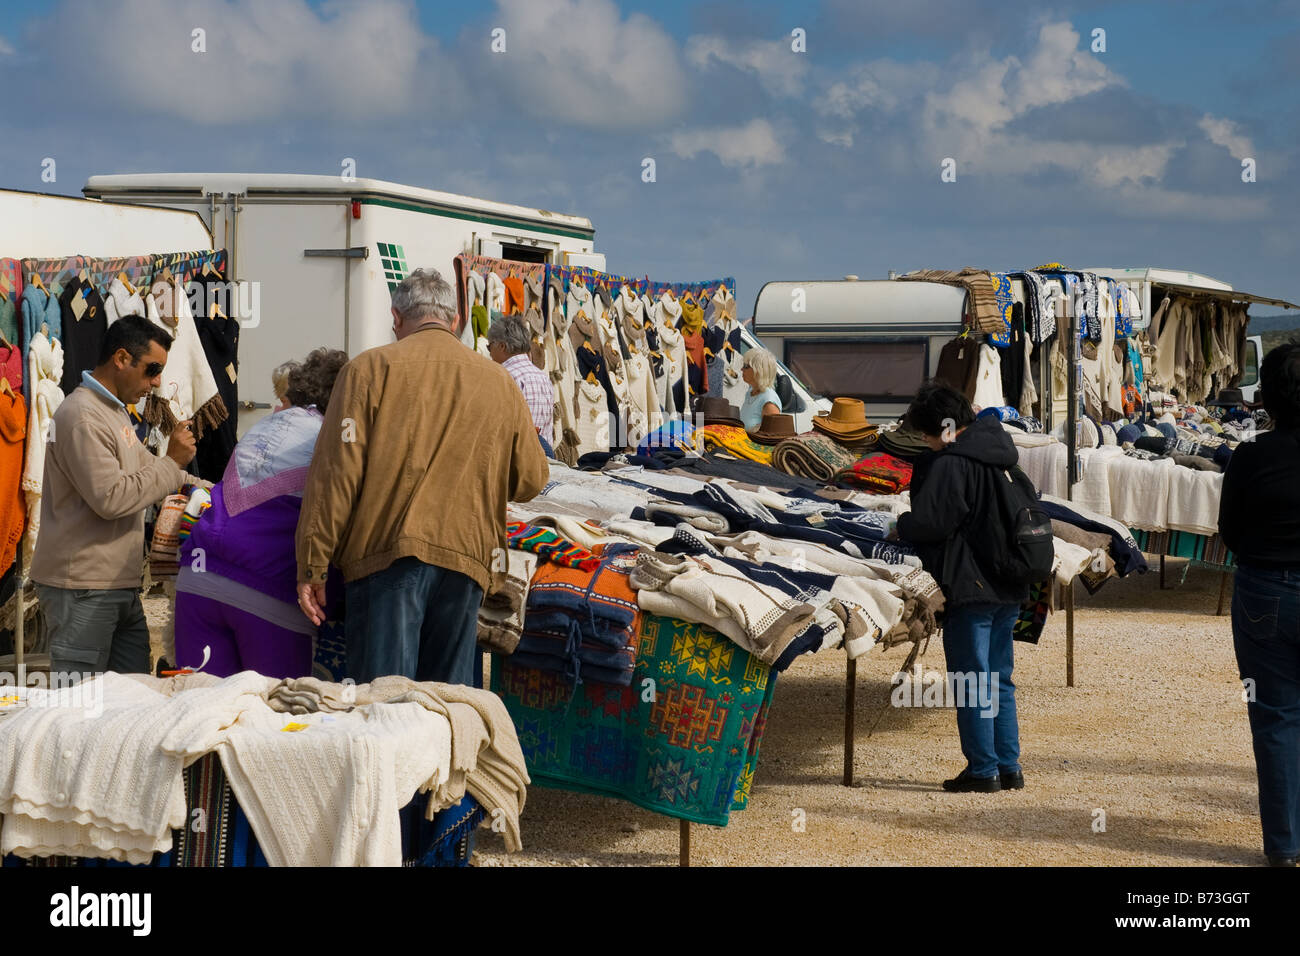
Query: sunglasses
(153,370)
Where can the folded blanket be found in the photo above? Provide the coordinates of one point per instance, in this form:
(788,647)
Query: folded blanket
(762,616)
(486,760)
(735,441)
(548,545)
(811,455)
(577,618)
(879,472)
(501,616)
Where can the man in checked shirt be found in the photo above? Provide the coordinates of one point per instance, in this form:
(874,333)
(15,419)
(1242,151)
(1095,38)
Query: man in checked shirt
(508,344)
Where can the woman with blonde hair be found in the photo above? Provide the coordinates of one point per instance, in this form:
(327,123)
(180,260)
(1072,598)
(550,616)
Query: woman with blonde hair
(761,399)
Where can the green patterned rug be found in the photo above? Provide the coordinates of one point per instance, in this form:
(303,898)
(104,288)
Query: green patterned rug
(682,740)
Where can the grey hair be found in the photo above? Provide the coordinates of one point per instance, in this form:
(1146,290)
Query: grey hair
(280,378)
(764,365)
(425,295)
(511,332)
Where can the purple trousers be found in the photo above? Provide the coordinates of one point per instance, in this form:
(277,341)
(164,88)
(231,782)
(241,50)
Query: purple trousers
(239,641)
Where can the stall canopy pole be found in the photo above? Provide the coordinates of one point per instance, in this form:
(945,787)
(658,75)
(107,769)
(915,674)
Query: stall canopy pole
(684,843)
(20,613)
(1069,633)
(850,708)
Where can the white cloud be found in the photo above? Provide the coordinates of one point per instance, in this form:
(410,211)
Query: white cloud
(754,144)
(1226,133)
(264,59)
(5,48)
(582,63)
(778,68)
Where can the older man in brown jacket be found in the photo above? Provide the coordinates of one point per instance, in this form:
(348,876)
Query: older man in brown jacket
(423,444)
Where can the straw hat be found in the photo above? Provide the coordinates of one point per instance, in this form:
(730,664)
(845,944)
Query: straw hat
(847,420)
(775,428)
(718,411)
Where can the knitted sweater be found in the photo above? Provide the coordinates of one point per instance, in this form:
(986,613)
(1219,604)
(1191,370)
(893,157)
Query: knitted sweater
(110,786)
(44,372)
(13,512)
(330,793)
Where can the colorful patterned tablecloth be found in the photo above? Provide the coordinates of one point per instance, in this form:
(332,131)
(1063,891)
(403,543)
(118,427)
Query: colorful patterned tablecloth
(682,740)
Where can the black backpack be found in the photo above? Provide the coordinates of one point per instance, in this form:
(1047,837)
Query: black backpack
(1019,549)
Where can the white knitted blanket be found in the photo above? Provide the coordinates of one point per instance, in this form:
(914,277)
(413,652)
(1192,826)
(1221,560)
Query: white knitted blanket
(91,770)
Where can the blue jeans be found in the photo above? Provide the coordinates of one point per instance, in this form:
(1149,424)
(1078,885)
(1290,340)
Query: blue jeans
(978,647)
(546,446)
(1266,634)
(413,619)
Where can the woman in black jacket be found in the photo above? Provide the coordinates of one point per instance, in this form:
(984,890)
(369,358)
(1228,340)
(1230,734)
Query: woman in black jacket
(1259,519)
(951,491)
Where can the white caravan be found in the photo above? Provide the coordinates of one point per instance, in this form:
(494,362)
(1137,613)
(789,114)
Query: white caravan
(40,226)
(879,339)
(317,256)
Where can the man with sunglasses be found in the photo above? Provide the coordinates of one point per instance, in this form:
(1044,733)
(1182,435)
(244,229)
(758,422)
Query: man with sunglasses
(99,480)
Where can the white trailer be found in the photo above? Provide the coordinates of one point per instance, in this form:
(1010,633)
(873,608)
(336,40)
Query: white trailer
(39,226)
(317,257)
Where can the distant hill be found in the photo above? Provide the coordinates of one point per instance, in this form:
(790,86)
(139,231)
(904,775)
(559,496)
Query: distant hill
(1274,323)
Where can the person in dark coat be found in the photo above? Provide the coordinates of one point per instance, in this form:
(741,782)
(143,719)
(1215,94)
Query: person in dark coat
(1259,519)
(953,498)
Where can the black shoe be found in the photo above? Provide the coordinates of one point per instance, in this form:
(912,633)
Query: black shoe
(1012,781)
(965,783)
(1284,861)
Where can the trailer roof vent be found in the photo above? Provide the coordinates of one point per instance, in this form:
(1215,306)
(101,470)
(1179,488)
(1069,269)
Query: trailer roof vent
(850,278)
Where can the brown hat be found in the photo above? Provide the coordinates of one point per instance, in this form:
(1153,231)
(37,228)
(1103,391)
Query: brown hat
(847,420)
(775,428)
(718,411)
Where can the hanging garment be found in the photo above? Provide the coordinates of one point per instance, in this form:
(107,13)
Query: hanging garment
(988,379)
(13,509)
(11,366)
(958,365)
(1012,359)
(219,336)
(9,293)
(40,312)
(1042,298)
(726,363)
(667,311)
(1088,299)
(44,372)
(590,407)
(188,390)
(981,301)
(514,295)
(616,354)
(496,293)
(697,352)
(122,300)
(644,414)
(563,369)
(84,320)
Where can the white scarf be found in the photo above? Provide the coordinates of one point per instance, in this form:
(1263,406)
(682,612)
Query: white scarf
(44,371)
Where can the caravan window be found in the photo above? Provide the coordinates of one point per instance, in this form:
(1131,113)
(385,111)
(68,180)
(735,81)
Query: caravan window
(874,371)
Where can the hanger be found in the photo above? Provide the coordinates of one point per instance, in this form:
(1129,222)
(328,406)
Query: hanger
(36,281)
(122,277)
(4,387)
(215,312)
(5,341)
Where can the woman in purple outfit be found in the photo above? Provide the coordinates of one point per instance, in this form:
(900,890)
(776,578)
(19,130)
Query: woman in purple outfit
(236,593)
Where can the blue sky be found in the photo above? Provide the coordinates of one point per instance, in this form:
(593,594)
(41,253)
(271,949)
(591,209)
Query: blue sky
(771,164)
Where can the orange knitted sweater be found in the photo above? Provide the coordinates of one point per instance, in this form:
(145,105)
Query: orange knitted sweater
(13,509)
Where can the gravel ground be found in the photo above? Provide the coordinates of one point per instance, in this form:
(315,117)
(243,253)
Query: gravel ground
(1152,743)
(1154,734)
